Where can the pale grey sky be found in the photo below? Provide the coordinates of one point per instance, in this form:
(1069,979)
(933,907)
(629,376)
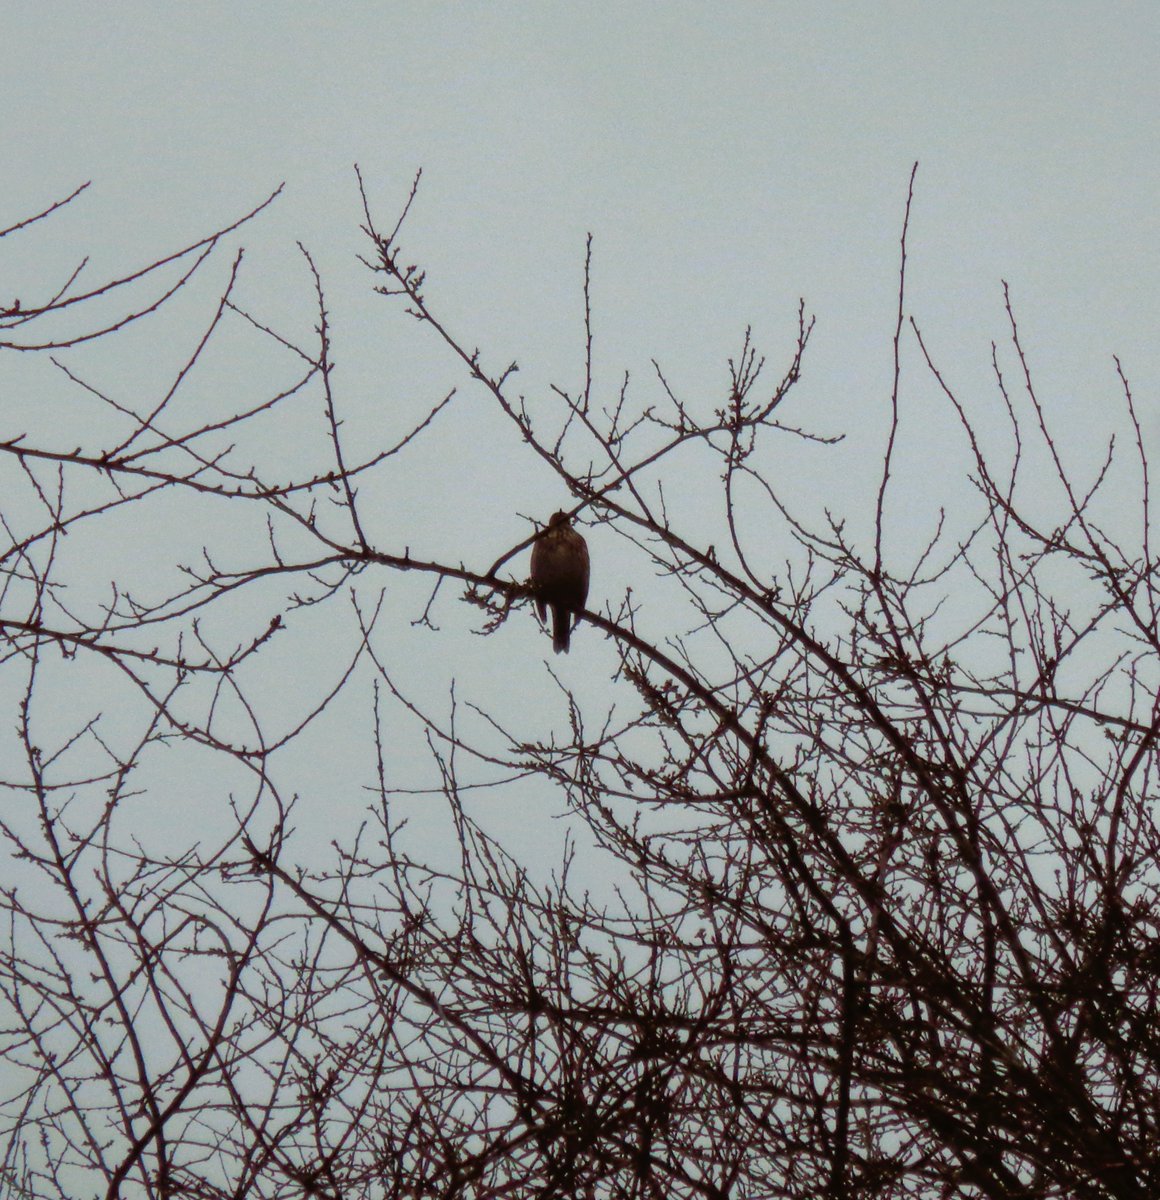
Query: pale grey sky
(728,159)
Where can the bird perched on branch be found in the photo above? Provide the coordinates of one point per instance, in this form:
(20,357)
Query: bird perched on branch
(560,577)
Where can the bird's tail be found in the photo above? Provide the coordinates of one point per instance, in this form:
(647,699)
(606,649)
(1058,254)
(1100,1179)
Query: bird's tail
(561,628)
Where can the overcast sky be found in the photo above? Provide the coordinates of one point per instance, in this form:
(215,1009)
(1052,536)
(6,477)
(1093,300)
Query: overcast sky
(727,159)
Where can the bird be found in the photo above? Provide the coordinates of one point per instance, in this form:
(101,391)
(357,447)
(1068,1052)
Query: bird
(560,577)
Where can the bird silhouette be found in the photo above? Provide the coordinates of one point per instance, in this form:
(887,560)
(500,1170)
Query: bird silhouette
(560,577)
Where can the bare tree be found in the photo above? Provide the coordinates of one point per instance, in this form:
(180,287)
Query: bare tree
(883,915)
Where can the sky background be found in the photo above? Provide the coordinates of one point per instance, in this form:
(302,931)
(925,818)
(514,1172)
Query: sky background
(729,161)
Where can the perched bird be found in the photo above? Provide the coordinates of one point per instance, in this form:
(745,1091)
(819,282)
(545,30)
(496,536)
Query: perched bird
(560,577)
